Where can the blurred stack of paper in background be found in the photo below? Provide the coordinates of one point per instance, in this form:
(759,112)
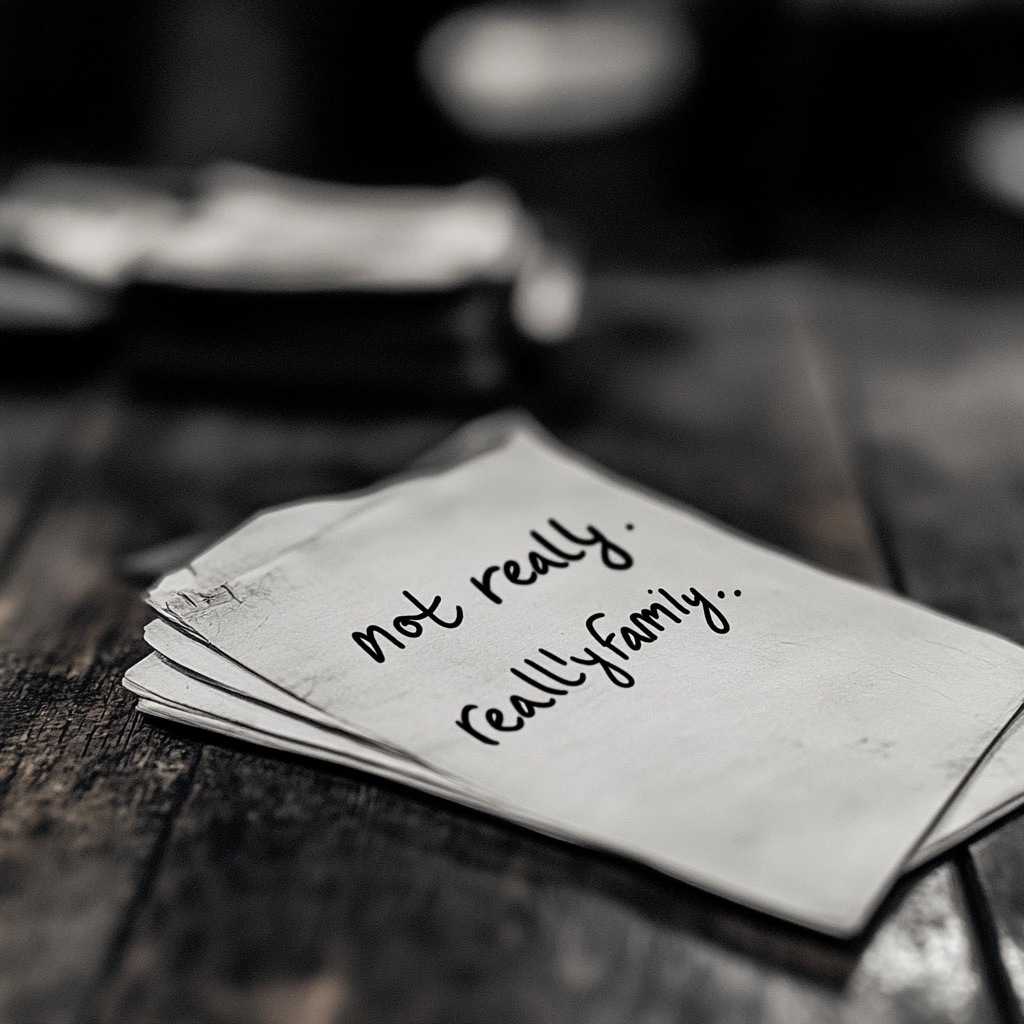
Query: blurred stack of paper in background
(236,276)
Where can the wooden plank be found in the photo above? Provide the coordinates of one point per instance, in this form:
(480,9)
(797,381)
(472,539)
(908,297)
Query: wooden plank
(934,389)
(29,426)
(84,804)
(289,891)
(90,788)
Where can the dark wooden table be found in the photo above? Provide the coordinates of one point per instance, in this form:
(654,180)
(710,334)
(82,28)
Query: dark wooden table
(149,873)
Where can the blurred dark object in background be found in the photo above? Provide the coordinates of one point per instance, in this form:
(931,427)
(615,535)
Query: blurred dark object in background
(882,136)
(241,278)
(322,89)
(52,328)
(775,121)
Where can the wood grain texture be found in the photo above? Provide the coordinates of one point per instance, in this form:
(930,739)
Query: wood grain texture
(291,893)
(933,390)
(150,873)
(85,804)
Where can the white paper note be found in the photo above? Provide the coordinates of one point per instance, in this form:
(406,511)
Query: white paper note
(994,787)
(596,659)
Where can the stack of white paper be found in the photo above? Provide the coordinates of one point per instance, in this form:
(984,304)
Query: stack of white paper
(514,629)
